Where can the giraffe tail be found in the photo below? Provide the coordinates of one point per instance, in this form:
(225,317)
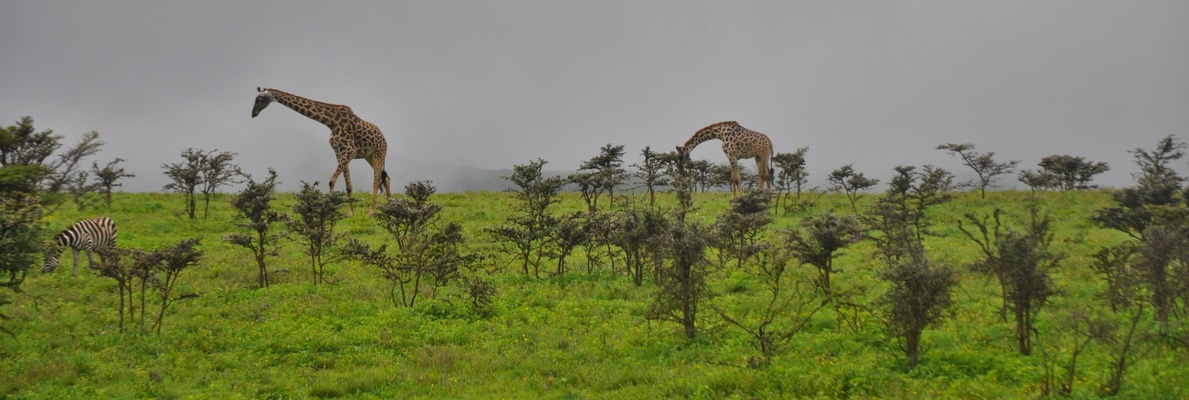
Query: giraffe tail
(384,181)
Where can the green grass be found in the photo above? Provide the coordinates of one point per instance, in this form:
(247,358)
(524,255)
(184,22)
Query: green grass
(575,336)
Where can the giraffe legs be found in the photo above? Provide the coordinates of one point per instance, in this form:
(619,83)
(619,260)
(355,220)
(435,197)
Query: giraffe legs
(380,177)
(736,179)
(765,173)
(342,169)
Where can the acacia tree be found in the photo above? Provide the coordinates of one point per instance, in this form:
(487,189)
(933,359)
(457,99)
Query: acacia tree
(65,169)
(217,170)
(791,179)
(1158,186)
(159,269)
(819,242)
(170,262)
(109,177)
(640,234)
(851,182)
(315,216)
(82,191)
(983,164)
(700,173)
(21,235)
(919,289)
(737,232)
(186,177)
(1155,215)
(572,231)
(682,288)
(529,229)
(606,172)
(1022,262)
(112,266)
(788,304)
(650,172)
(256,215)
(720,177)
(428,250)
(900,215)
(918,297)
(202,172)
(1071,172)
(588,188)
(32,181)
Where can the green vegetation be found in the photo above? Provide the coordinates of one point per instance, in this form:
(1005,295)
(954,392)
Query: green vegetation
(585,333)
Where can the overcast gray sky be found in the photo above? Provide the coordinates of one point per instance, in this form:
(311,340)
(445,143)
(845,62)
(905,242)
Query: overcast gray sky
(491,84)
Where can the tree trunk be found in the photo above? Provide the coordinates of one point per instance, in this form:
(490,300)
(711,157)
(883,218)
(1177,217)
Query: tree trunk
(912,346)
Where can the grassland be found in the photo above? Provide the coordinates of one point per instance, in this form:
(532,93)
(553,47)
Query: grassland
(574,336)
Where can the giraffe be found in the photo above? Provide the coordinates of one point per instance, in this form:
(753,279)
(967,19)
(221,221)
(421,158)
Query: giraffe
(737,142)
(350,137)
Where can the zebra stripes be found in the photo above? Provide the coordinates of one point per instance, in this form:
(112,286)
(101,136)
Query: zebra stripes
(90,235)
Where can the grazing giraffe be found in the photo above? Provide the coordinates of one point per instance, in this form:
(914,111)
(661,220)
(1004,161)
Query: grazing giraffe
(350,137)
(737,142)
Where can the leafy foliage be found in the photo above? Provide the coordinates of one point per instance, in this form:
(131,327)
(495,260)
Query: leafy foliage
(32,186)
(429,252)
(572,230)
(901,214)
(789,304)
(851,182)
(160,269)
(217,170)
(575,334)
(528,231)
(202,172)
(650,172)
(316,215)
(983,164)
(1158,185)
(683,287)
(257,216)
(737,232)
(605,172)
(109,177)
(641,235)
(20,235)
(1155,215)
(791,180)
(918,297)
(1023,264)
(1064,172)
(819,241)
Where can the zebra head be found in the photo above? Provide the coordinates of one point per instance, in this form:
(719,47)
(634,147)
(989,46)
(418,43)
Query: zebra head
(51,259)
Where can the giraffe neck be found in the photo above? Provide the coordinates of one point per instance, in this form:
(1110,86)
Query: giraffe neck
(711,132)
(331,115)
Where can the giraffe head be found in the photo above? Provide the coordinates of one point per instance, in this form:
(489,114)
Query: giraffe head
(262,99)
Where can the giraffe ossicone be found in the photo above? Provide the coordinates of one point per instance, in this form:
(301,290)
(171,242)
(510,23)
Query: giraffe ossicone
(350,137)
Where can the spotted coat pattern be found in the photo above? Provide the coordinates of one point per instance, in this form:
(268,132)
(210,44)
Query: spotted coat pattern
(350,137)
(738,143)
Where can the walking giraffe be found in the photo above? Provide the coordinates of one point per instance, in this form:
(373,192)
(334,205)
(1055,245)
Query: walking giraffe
(350,137)
(738,143)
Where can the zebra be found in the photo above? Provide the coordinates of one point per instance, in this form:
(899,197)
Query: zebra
(90,235)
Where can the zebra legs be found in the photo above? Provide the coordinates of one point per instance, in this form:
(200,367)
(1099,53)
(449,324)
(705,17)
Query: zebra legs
(75,271)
